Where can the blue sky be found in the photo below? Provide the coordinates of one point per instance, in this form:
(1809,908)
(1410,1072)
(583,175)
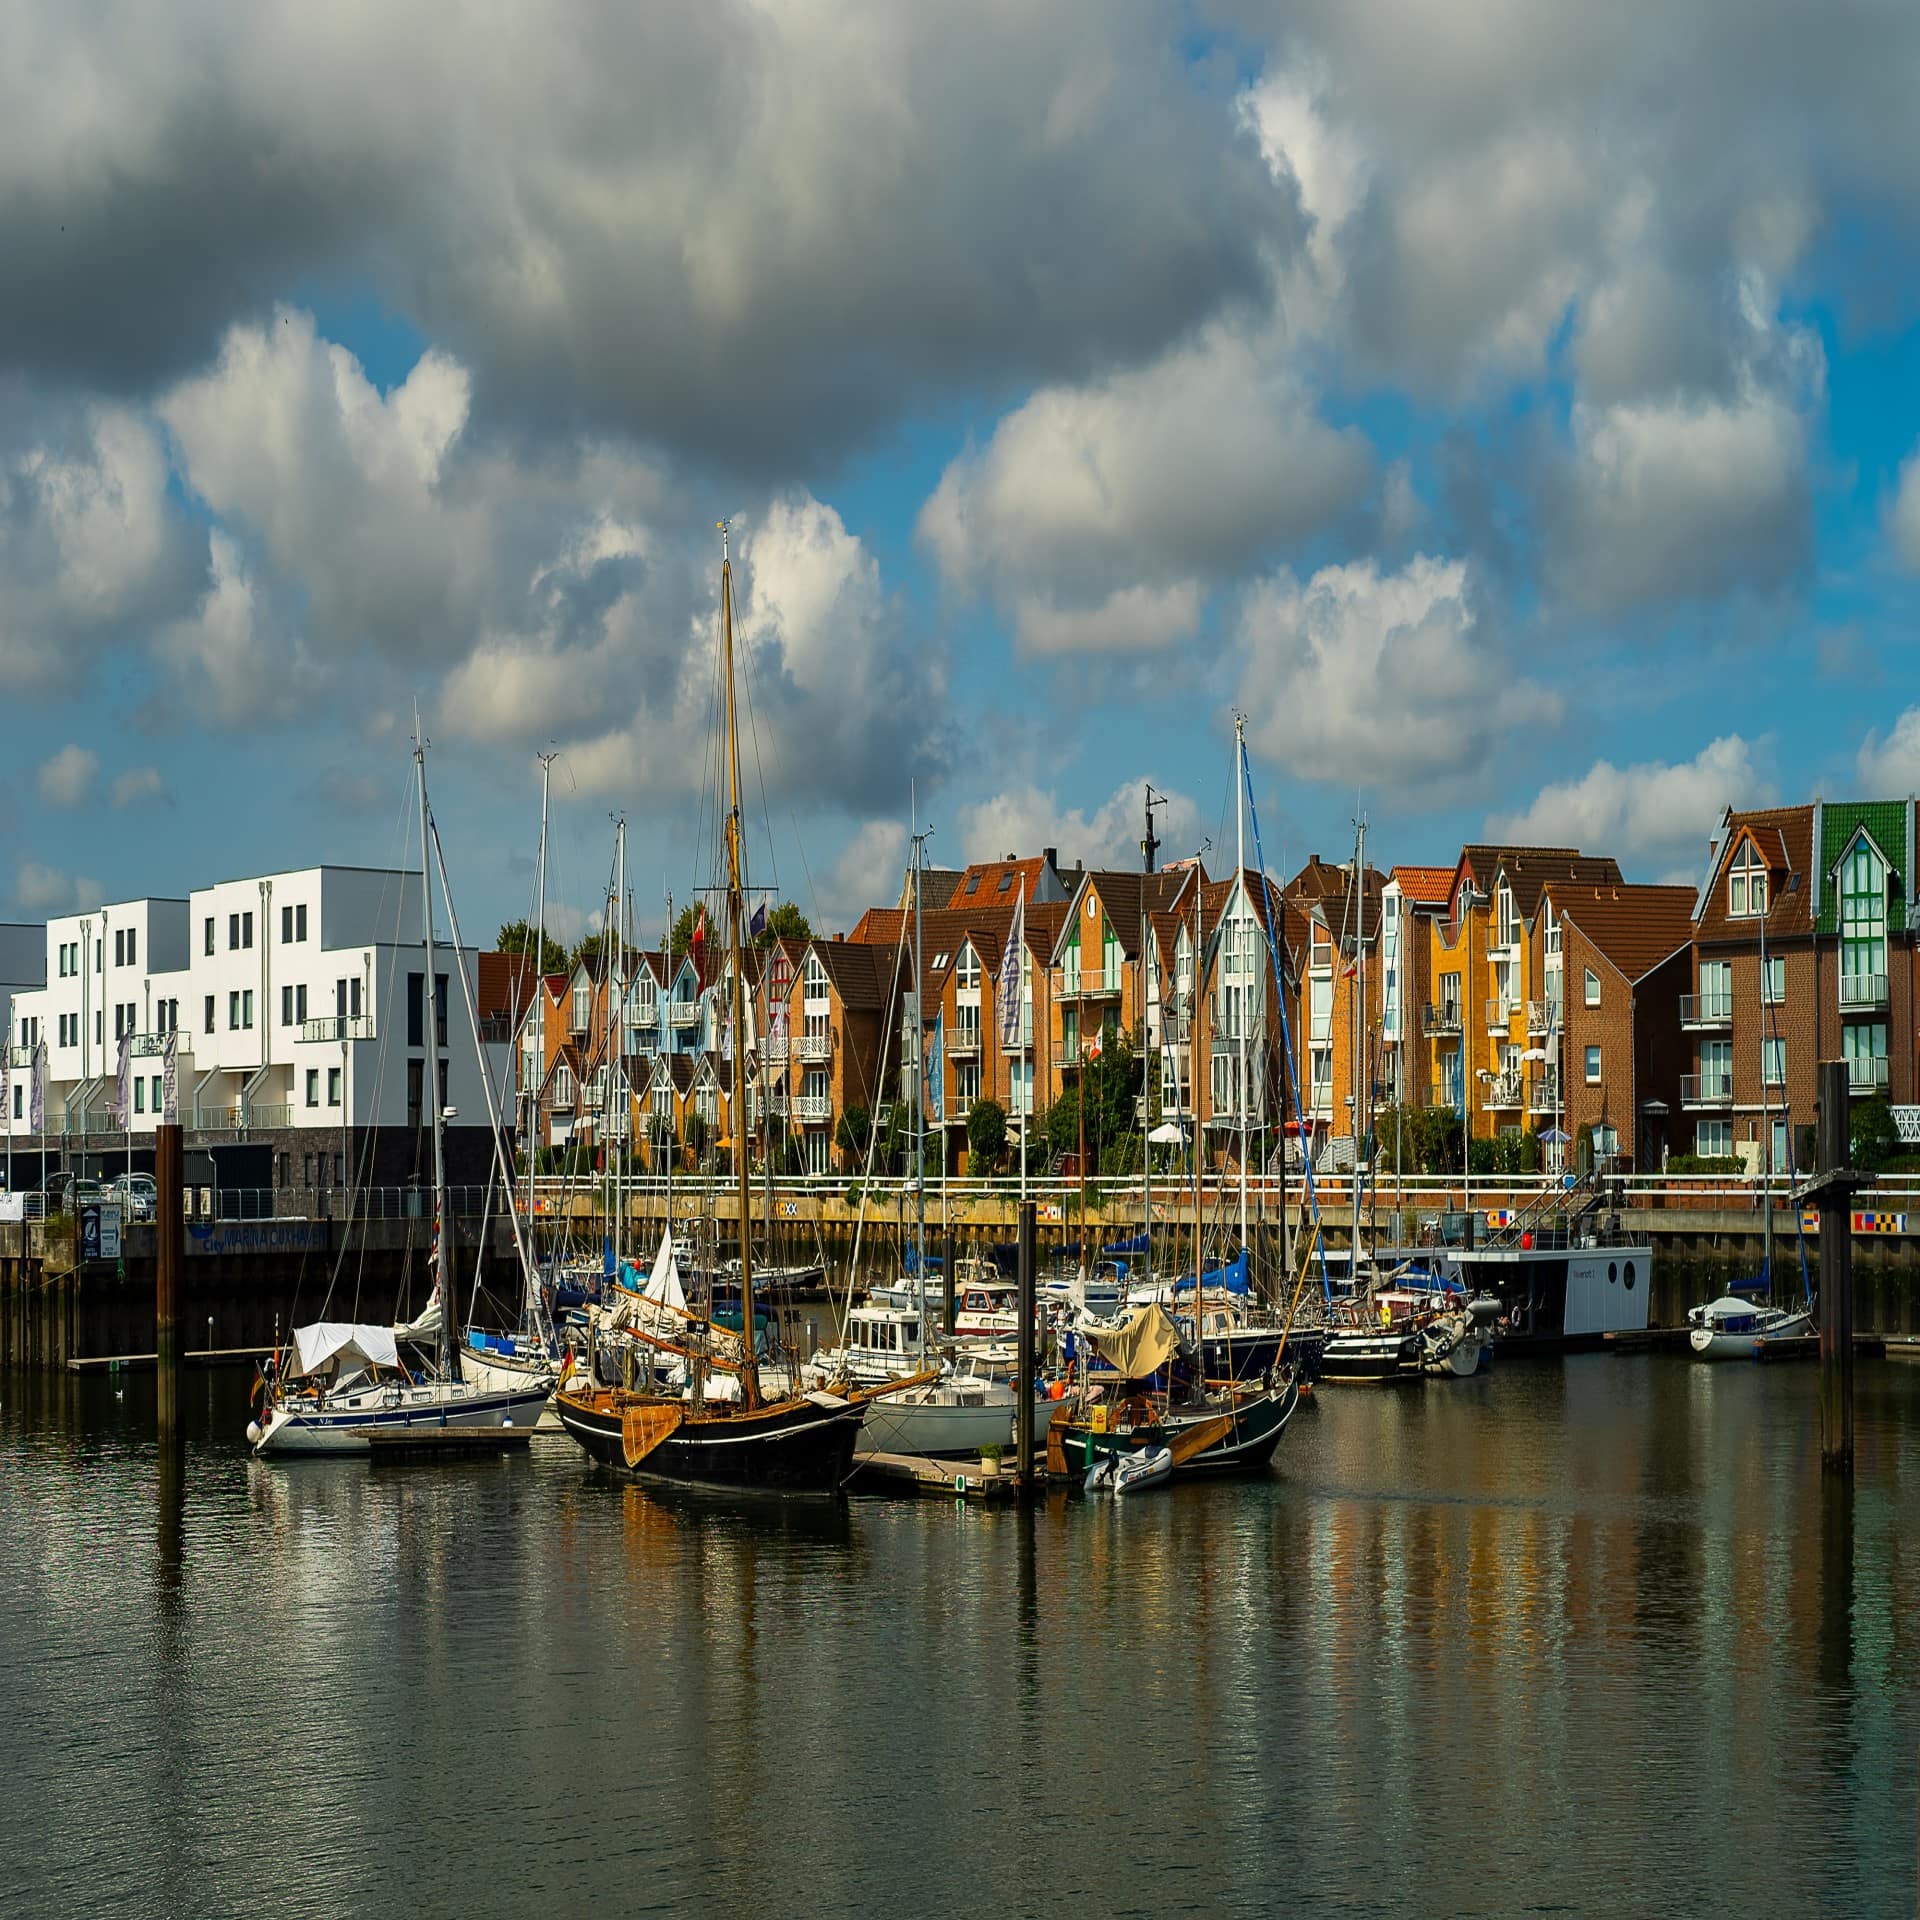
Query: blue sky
(1515,415)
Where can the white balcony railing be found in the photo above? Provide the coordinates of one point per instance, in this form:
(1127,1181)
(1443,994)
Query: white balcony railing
(963,1043)
(1544,1095)
(816,1046)
(1706,1089)
(682,1013)
(773,1050)
(778,1103)
(1863,990)
(1504,1090)
(1867,1073)
(814,1106)
(1707,1009)
(337,1027)
(1542,1016)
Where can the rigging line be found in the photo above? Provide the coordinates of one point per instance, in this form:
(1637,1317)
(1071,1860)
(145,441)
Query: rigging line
(745,655)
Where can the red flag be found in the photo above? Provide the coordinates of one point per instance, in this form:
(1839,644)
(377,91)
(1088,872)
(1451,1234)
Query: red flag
(699,943)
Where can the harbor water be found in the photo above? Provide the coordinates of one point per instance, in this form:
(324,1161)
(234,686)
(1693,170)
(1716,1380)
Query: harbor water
(1590,1636)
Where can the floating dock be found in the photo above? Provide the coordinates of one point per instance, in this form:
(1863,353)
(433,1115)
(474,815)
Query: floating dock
(934,1479)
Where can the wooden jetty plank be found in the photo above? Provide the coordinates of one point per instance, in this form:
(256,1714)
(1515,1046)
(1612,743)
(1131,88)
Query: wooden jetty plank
(935,1479)
(193,1357)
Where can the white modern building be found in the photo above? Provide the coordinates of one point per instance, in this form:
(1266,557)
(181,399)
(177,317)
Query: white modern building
(301,1008)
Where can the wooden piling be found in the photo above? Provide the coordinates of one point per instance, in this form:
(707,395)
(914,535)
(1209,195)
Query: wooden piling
(1834,1196)
(1023,1392)
(169,1246)
(946,1283)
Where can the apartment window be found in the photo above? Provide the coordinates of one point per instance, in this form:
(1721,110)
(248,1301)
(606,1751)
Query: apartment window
(139,1094)
(416,1014)
(1863,923)
(1553,930)
(233,1012)
(1716,989)
(286,1006)
(159,1085)
(293,925)
(1509,935)
(306,1172)
(119,947)
(209,934)
(1714,1139)
(967,968)
(313,1086)
(233,933)
(333,1086)
(416,1090)
(1747,884)
(99,953)
(99,1020)
(133,946)
(209,1020)
(1592,987)
(1773,981)
(582,1003)
(440,1009)
(1070,1028)
(1593,1066)
(563,1086)
(246,930)
(300,921)
(353,999)
(1773,1062)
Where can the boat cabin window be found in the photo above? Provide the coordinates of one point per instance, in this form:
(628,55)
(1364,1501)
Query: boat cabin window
(910,1332)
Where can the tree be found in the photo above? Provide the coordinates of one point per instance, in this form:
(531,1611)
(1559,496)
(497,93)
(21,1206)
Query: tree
(784,922)
(986,1135)
(1872,1134)
(696,1134)
(852,1134)
(517,937)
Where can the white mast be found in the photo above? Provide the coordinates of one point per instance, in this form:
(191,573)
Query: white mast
(443,1227)
(537,1007)
(1360,1082)
(617,999)
(919,1100)
(1240,877)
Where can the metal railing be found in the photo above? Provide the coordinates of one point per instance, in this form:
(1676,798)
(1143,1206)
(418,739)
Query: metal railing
(1706,1089)
(643,1039)
(816,1046)
(1707,1009)
(1090,983)
(1867,1073)
(1542,1016)
(773,1050)
(779,1103)
(682,1013)
(963,1043)
(813,1106)
(1544,1095)
(1863,990)
(338,1027)
(1504,1090)
(20,1056)
(1436,1022)
(1500,1013)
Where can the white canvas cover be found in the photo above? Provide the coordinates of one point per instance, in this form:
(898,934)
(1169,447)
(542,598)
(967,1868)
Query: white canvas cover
(427,1324)
(352,1345)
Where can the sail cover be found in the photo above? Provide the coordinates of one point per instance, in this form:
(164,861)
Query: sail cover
(427,1325)
(343,1342)
(1139,1345)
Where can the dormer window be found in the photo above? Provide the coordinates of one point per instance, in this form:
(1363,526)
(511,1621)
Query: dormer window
(967,970)
(1747,884)
(1509,919)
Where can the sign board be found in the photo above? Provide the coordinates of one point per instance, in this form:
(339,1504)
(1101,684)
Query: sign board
(13,1207)
(100,1232)
(260,1236)
(1877,1222)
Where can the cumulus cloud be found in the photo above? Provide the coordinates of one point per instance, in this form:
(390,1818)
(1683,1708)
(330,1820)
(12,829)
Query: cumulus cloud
(1096,513)
(139,787)
(1889,763)
(40,889)
(868,871)
(67,779)
(1390,680)
(1652,811)
(1024,818)
(88,543)
(750,229)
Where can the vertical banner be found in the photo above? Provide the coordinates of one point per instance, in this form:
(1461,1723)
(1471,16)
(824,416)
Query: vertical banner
(937,1069)
(6,1080)
(1007,989)
(122,1081)
(37,1093)
(170,1103)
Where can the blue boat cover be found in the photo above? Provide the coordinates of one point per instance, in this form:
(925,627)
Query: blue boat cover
(1233,1277)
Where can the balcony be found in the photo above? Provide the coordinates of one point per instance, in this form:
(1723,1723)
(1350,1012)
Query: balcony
(643,1038)
(1542,1017)
(813,1108)
(1504,1090)
(1446,1098)
(963,1043)
(20,1056)
(337,1027)
(773,1050)
(1441,1022)
(1867,1074)
(1500,1012)
(146,1046)
(816,1046)
(1699,1010)
(1544,1095)
(1090,983)
(1862,991)
(778,1103)
(682,1014)
(1706,1089)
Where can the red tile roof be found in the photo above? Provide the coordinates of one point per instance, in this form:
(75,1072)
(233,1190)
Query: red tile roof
(1426,886)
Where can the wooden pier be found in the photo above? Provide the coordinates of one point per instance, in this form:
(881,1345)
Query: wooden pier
(932,1479)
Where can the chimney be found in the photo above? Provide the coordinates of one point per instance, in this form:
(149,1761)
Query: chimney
(1051,855)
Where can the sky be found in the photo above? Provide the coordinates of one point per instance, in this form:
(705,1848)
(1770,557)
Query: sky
(1511,410)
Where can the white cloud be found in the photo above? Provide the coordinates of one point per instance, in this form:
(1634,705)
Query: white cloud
(1652,810)
(869,871)
(1903,514)
(243,663)
(1095,513)
(1025,818)
(139,786)
(40,889)
(1381,680)
(67,779)
(1889,763)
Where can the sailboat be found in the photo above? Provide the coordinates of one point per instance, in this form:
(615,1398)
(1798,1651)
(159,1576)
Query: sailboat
(799,1442)
(347,1381)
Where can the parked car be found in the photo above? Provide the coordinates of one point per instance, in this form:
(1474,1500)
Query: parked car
(137,1195)
(68,1191)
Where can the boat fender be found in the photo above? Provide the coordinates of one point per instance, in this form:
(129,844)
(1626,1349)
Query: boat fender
(253,1433)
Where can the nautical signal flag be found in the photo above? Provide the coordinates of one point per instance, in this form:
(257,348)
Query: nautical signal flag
(758,924)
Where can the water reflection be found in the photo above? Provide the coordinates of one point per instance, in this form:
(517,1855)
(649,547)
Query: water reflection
(1610,1613)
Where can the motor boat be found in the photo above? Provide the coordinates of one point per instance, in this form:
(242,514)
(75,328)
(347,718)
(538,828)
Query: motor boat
(1733,1328)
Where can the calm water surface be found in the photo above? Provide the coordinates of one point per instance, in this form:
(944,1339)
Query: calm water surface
(1587,1637)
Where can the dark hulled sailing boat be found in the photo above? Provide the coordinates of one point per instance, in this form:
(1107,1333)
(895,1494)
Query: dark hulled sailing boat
(800,1444)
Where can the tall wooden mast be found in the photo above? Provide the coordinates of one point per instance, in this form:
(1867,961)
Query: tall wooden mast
(736,950)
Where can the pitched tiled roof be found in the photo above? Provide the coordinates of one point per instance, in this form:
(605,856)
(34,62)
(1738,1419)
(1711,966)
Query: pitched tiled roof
(1528,869)
(1635,927)
(862,974)
(1784,837)
(506,985)
(1324,893)
(1425,886)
